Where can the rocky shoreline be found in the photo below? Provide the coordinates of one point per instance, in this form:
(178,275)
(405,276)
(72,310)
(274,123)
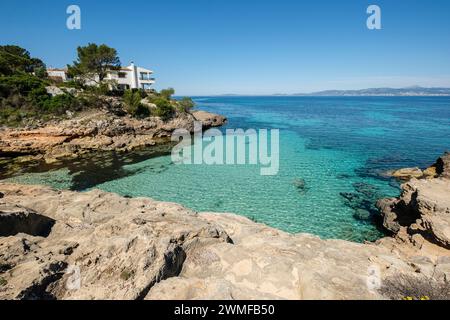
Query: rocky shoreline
(97,245)
(100,130)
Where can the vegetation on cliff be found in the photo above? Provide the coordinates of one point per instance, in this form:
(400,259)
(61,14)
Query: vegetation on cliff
(27,94)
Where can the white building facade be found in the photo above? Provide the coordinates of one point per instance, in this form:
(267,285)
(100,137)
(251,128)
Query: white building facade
(131,77)
(58,74)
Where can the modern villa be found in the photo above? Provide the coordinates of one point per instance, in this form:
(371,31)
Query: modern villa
(131,77)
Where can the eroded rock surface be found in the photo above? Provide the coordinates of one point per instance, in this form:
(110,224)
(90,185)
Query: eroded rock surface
(441,168)
(103,246)
(102,130)
(209,119)
(423,208)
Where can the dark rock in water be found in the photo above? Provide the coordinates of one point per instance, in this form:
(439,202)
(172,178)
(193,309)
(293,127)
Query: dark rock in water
(300,185)
(362,214)
(218,204)
(343,176)
(370,191)
(362,201)
(357,201)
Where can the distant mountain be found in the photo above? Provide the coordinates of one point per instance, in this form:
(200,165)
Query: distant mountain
(409,91)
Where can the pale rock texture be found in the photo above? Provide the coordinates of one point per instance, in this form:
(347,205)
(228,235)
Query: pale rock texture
(102,130)
(144,249)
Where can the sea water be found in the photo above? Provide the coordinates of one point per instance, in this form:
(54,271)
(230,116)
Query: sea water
(333,155)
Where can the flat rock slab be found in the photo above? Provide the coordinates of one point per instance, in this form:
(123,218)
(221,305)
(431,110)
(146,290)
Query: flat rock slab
(103,246)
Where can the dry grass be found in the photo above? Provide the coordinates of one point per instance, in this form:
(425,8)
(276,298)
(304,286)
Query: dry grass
(404,287)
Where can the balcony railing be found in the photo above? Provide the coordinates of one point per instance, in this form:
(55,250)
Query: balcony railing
(146,78)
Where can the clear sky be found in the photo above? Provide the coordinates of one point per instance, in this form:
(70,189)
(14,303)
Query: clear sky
(203,47)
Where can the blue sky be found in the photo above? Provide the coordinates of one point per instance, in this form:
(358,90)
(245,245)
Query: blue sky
(204,47)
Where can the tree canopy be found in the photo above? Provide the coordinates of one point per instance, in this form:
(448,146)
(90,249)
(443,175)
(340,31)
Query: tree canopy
(94,61)
(14,59)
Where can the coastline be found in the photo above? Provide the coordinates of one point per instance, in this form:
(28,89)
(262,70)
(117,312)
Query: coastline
(95,131)
(144,249)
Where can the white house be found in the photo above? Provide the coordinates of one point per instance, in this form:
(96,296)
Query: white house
(58,74)
(131,77)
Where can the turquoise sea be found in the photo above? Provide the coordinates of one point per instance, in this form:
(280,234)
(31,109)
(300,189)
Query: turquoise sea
(333,151)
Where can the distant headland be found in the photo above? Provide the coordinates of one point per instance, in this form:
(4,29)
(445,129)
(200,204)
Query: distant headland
(413,91)
(408,91)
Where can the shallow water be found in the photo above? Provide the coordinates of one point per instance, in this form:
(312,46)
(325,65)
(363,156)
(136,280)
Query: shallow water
(332,151)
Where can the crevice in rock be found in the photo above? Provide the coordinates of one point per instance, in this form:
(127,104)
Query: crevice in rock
(406,212)
(430,237)
(38,290)
(174,259)
(14,220)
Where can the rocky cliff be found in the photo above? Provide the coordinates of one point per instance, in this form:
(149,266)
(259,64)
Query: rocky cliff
(98,245)
(101,130)
(423,209)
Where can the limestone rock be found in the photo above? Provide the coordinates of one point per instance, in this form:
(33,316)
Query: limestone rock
(209,119)
(54,91)
(442,167)
(407,173)
(102,130)
(120,247)
(103,246)
(423,207)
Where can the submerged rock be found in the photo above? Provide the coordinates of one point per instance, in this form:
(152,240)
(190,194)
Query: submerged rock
(361,214)
(300,185)
(362,201)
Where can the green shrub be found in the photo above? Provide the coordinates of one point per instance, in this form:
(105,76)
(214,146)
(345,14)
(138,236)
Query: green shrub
(164,108)
(99,90)
(38,96)
(13,116)
(132,100)
(167,93)
(58,105)
(72,84)
(20,83)
(185,104)
(142,111)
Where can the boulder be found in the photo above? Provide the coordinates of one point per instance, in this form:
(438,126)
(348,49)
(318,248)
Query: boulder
(209,119)
(407,173)
(54,91)
(441,168)
(423,207)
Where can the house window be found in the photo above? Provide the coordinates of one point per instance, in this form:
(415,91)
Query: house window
(146,86)
(144,76)
(123,87)
(122,75)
